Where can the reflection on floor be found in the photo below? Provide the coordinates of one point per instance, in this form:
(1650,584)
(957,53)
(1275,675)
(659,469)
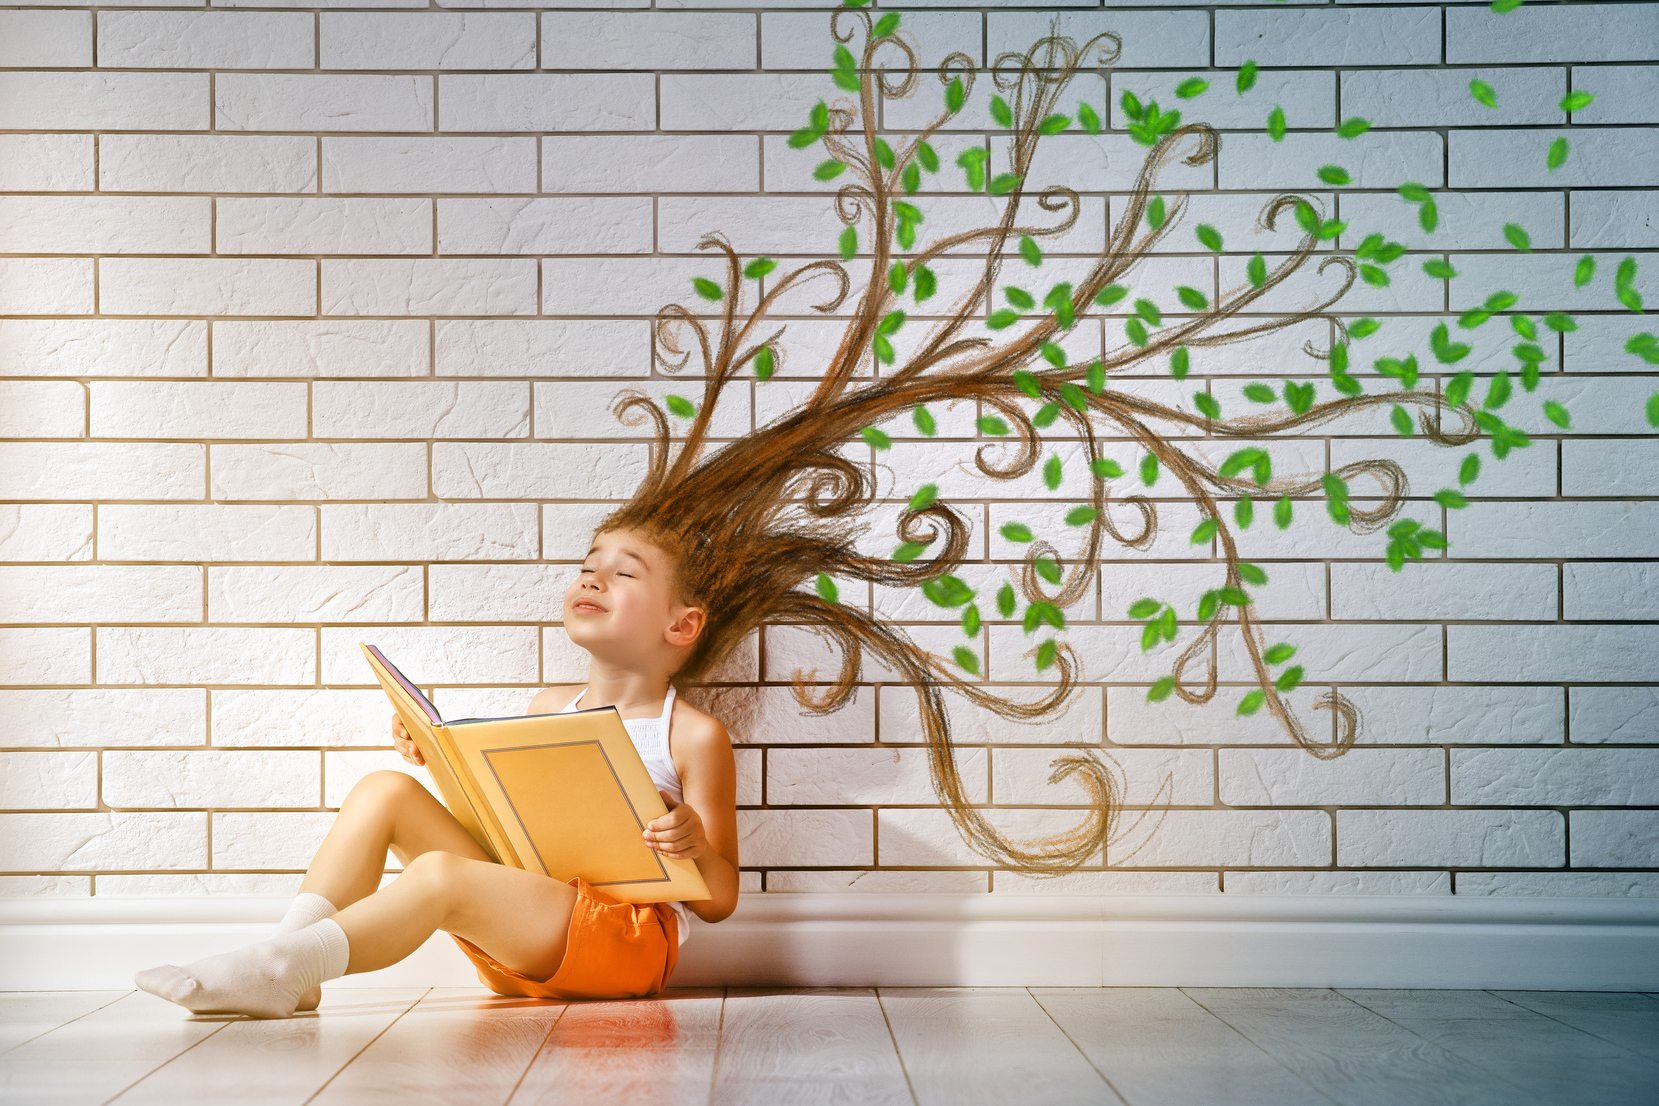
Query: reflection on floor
(895,1045)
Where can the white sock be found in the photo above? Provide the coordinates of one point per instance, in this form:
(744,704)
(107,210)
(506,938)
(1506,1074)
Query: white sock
(304,910)
(263,981)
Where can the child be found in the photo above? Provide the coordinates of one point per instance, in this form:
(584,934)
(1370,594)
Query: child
(528,934)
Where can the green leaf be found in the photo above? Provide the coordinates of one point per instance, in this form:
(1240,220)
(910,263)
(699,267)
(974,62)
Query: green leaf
(927,156)
(1001,320)
(1339,358)
(1631,298)
(1557,414)
(1208,604)
(1148,310)
(1144,608)
(886,25)
(1428,217)
(908,551)
(1105,468)
(1282,512)
(1160,690)
(1560,322)
(1251,703)
(970,620)
(1347,385)
(884,154)
(1625,275)
(1473,318)
(1168,624)
(1353,127)
(1246,78)
(1280,653)
(1150,635)
(1401,419)
(1180,363)
(827,591)
(1019,297)
(763,363)
(1375,277)
(1503,7)
(1439,269)
(1256,271)
(1136,332)
(1484,93)
(1522,325)
(1016,531)
(1052,472)
(1190,88)
(1053,124)
(829,170)
(992,425)
(1131,105)
(1517,236)
(1000,112)
(1074,396)
(1149,469)
(1005,600)
(707,289)
(1403,371)
(876,438)
(848,243)
(1032,252)
(681,406)
(1457,389)
(1451,499)
(1027,383)
(759,267)
(890,323)
(1097,375)
(1233,597)
(1244,513)
(924,497)
(1204,531)
(966,658)
(1260,393)
(1155,213)
(1446,351)
(1335,174)
(923,419)
(1412,192)
(1088,118)
(910,179)
(1584,272)
(1299,397)
(1251,574)
(897,277)
(1652,410)
(954,96)
(1081,516)
(972,161)
(1191,298)
(1046,654)
(1046,416)
(1557,156)
(1047,569)
(1289,679)
(818,118)
(1239,460)
(803,138)
(926,283)
(1207,405)
(1209,237)
(1469,470)
(1497,392)
(1002,183)
(1501,301)
(1110,294)
(1276,123)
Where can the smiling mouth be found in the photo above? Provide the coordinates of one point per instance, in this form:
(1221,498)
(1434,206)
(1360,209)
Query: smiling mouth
(587,606)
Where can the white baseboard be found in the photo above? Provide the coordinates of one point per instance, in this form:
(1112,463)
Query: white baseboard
(963,940)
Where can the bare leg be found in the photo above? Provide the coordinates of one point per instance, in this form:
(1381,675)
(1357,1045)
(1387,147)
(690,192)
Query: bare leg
(386,811)
(518,917)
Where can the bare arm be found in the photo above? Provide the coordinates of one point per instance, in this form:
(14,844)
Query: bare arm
(703,828)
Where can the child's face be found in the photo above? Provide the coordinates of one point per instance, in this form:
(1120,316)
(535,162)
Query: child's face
(622,605)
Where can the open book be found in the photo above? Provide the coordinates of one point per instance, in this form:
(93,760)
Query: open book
(561,794)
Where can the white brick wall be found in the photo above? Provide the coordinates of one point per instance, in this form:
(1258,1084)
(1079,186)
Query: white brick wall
(310,320)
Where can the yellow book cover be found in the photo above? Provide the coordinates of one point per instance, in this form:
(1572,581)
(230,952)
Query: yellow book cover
(561,794)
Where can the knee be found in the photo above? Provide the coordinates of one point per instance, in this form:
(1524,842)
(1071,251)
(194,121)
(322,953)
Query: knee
(385,788)
(437,868)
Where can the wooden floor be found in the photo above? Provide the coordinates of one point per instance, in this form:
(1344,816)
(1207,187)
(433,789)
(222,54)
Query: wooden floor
(895,1045)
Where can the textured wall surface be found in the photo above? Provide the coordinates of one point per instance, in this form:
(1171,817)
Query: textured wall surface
(310,321)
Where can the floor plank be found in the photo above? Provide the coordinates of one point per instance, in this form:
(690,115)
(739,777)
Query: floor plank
(1630,1020)
(798,1047)
(1157,1047)
(643,1052)
(25,1015)
(280,1062)
(1548,1058)
(459,1046)
(96,1057)
(1351,1054)
(987,1045)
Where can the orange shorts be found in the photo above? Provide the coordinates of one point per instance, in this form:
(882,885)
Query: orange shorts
(614,950)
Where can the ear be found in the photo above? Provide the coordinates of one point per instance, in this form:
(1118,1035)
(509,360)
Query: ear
(686,626)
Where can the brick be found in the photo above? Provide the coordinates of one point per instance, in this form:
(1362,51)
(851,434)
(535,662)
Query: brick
(207,286)
(427,40)
(1552,653)
(874,881)
(103,347)
(1522,592)
(568,528)
(43,887)
(543,348)
(1403,653)
(738,101)
(1379,159)
(275,840)
(1624,93)
(797,838)
(207,532)
(1243,838)
(422,165)
(1340,883)
(105,224)
(1308,97)
(1440,97)
(429,531)
(102,841)
(1107,883)
(42,409)
(205,40)
(1588,32)
(101,471)
(534,226)
(1535,530)
(1600,156)
(1622,219)
(1609,467)
(650,163)
(85,101)
(342,771)
(1459,715)
(1151,39)
(324,226)
(94,717)
(324,593)
(1461,838)
(1292,590)
(1131,720)
(212,778)
(1468,221)
(100,593)
(1610,715)
(649,40)
(326,347)
(46,163)
(309,718)
(430,409)
(482,470)
(450,286)
(1598,343)
(499,593)
(207,655)
(199,885)
(569,409)
(323,102)
(45,39)
(459,654)
(45,532)
(319,470)
(750,775)
(864,777)
(547,101)
(1614,838)
(48,781)
(1329,36)
(47,285)
(772,716)
(207,163)
(1306,286)
(1145,777)
(1555,777)
(636,286)
(1371,777)
(1560,885)
(802,40)
(481,702)
(133,409)
(927,837)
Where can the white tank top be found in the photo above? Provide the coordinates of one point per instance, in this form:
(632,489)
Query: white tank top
(650,737)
